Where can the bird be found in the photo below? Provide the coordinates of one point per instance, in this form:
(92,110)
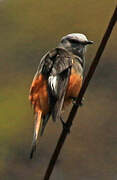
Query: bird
(57,82)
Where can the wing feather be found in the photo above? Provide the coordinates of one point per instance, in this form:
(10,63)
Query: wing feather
(56,67)
(58,81)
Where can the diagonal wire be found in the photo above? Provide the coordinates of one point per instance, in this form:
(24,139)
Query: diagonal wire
(75,107)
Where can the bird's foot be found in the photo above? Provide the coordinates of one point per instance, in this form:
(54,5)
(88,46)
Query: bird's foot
(65,126)
(74,101)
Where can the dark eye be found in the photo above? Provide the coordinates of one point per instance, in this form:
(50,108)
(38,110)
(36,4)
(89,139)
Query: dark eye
(73,41)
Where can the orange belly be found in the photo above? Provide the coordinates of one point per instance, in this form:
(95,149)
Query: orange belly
(39,95)
(73,89)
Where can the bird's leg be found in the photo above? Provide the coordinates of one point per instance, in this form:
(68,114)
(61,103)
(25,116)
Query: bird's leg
(74,100)
(64,124)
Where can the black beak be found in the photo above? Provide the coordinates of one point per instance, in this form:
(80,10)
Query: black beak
(90,42)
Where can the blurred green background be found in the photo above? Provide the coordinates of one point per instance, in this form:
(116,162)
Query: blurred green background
(28,29)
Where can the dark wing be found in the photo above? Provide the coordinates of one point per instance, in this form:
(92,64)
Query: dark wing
(59,62)
(56,67)
(58,98)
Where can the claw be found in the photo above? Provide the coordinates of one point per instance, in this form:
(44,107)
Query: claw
(74,101)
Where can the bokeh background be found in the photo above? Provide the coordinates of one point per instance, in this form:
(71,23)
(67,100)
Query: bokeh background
(28,29)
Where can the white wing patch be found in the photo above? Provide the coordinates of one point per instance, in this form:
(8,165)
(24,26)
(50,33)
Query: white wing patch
(52,80)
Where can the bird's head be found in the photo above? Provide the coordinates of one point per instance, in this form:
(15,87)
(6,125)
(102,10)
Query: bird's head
(75,43)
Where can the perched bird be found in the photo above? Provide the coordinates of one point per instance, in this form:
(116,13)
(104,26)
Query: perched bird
(57,81)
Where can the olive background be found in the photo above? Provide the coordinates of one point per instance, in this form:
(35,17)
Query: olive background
(28,29)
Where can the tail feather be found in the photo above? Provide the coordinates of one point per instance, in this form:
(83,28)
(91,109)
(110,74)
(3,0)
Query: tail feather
(45,120)
(37,129)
